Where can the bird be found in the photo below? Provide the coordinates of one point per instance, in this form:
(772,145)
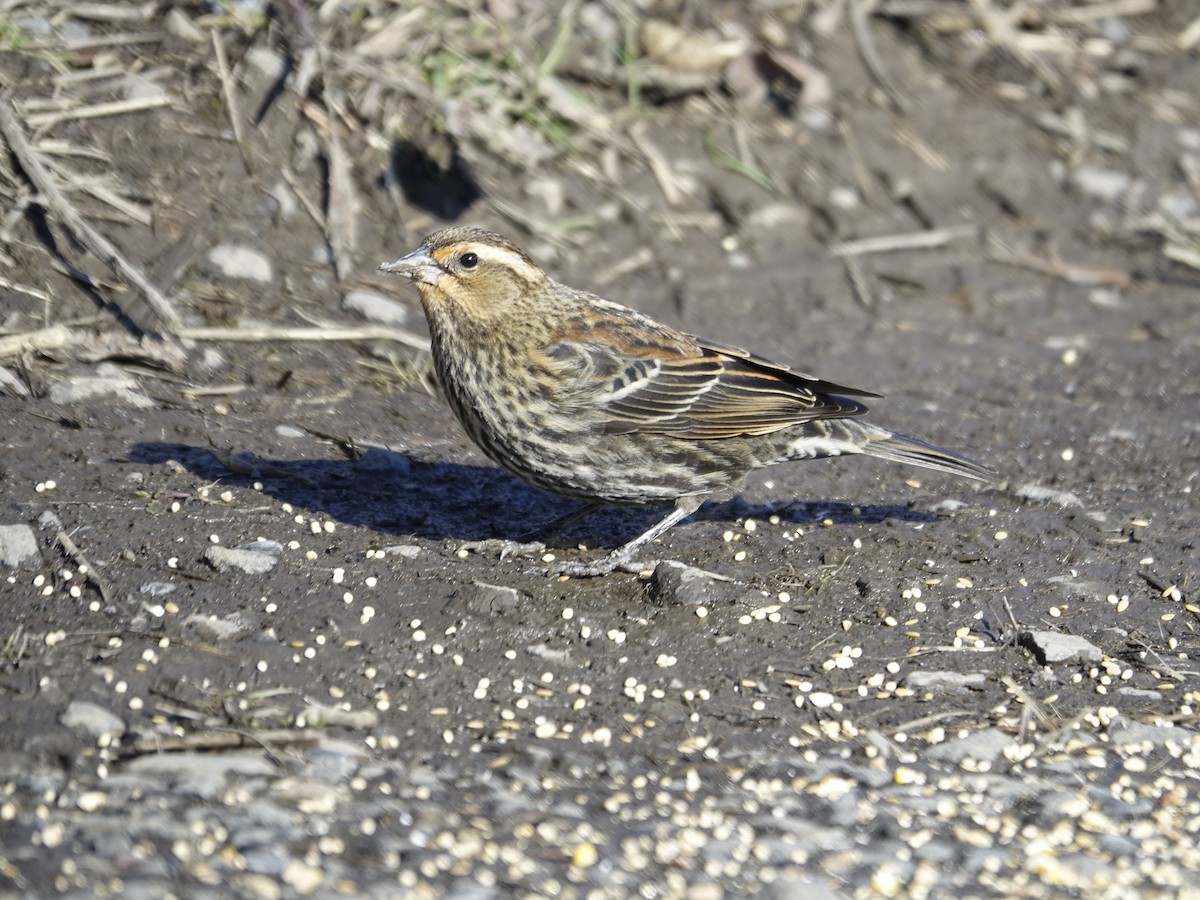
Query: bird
(586,398)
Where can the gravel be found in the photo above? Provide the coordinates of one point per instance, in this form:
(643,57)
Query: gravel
(792,821)
(18,545)
(861,681)
(254,558)
(1052,647)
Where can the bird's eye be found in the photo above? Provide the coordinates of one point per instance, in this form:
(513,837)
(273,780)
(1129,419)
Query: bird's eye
(469,260)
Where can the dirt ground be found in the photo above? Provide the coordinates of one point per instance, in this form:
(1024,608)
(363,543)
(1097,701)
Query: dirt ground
(1034,302)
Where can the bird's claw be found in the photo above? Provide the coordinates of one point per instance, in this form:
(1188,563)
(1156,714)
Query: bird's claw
(504,549)
(604,566)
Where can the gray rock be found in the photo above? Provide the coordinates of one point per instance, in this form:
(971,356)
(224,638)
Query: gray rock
(773,216)
(377,308)
(675,583)
(1108,298)
(982,746)
(181,26)
(1119,844)
(109,381)
(49,521)
(213,628)
(285,197)
(1055,647)
(805,887)
(1075,589)
(267,860)
(1115,30)
(492,599)
(271,548)
(108,838)
(204,774)
(74,30)
(814,118)
(152,882)
(266,60)
(938,852)
(405,551)
(18,544)
(1178,206)
(596,21)
(1117,808)
(948,505)
(211,359)
(38,26)
(14,764)
(1039,493)
(1057,803)
(92,719)
(255,558)
(384,462)
(1108,185)
(553,654)
(472,892)
(334,762)
(322,255)
(1138,693)
(269,815)
(139,87)
(245,838)
(1124,731)
(77,390)
(944,682)
(238,261)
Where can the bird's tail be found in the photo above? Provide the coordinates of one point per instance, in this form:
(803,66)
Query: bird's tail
(904,449)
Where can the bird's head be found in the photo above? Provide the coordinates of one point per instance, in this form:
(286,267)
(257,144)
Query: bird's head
(470,273)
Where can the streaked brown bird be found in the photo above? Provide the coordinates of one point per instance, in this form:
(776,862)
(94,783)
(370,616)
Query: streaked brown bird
(590,399)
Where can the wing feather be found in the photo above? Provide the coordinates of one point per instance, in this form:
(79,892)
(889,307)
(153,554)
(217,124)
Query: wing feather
(628,373)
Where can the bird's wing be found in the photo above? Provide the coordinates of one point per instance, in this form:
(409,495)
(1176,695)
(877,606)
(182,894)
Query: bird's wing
(638,376)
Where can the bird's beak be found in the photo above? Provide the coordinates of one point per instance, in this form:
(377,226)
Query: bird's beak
(419,266)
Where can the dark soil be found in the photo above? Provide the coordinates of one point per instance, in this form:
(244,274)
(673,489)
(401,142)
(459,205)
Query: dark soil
(1083,379)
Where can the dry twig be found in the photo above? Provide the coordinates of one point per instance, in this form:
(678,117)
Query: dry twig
(97,111)
(318,333)
(229,92)
(25,289)
(215,741)
(53,338)
(1057,268)
(86,569)
(859,10)
(920,240)
(858,281)
(658,165)
(52,198)
(343,204)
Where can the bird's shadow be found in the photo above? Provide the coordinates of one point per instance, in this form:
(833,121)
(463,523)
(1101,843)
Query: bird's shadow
(402,496)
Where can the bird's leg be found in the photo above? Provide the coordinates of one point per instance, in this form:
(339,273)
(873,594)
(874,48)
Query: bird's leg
(683,508)
(562,523)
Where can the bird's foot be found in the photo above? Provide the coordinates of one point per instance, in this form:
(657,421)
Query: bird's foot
(603,566)
(504,549)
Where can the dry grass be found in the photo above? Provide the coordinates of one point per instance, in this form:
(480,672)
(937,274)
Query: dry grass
(572,87)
